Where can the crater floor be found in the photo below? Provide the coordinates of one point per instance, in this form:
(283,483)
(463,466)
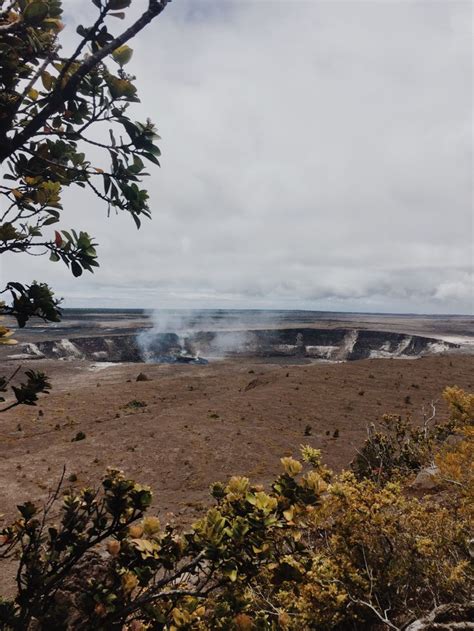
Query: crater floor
(188,426)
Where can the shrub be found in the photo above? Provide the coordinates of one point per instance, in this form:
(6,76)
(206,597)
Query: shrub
(50,552)
(135,404)
(153,573)
(400,447)
(315,551)
(370,552)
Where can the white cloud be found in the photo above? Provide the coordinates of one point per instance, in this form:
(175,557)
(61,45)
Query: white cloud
(315,155)
(459,290)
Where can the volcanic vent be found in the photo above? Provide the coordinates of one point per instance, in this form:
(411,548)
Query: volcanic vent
(310,343)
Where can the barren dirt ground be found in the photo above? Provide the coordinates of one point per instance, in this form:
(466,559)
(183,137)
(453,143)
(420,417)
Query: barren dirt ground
(191,425)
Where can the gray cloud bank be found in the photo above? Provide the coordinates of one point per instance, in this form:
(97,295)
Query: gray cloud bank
(315,155)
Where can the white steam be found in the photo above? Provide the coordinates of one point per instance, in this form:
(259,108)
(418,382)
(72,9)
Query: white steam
(223,332)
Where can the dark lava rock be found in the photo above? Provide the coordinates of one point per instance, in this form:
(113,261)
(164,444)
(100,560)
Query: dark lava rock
(143,377)
(254,384)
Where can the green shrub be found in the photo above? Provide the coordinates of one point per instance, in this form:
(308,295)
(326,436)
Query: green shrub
(315,551)
(399,447)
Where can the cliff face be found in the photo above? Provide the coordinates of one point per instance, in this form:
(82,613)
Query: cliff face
(327,344)
(118,348)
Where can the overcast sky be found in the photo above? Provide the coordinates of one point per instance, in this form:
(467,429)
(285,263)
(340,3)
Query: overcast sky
(315,155)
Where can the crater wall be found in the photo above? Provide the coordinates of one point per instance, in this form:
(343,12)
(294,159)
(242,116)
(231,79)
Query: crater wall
(339,344)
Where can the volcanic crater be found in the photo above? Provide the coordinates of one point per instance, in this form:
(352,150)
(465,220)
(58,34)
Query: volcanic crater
(339,344)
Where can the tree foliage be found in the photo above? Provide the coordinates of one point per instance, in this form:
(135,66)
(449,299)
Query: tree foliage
(65,122)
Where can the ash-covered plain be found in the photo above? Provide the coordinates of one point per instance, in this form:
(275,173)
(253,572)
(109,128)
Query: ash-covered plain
(267,382)
(169,336)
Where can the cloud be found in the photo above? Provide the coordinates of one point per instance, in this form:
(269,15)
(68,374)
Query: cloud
(315,155)
(459,290)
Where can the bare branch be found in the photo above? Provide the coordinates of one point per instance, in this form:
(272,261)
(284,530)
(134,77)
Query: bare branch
(427,419)
(381,616)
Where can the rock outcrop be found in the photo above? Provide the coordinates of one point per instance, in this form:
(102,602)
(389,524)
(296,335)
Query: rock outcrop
(454,617)
(426,480)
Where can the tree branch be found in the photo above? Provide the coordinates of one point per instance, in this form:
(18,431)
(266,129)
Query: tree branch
(62,94)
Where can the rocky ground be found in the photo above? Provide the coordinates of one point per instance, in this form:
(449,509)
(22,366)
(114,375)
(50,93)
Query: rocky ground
(187,426)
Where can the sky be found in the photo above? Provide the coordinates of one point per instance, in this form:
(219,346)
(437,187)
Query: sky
(315,155)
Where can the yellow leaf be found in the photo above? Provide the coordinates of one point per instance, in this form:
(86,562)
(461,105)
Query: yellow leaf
(288,514)
(113,547)
(129,582)
(291,466)
(122,54)
(180,617)
(147,548)
(135,531)
(151,525)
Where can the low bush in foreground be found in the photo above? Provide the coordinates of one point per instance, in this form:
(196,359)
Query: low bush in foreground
(315,551)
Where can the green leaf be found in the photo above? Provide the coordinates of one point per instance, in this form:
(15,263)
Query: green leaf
(152,158)
(232,574)
(137,221)
(50,221)
(119,4)
(28,509)
(76,269)
(47,80)
(80,30)
(35,12)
